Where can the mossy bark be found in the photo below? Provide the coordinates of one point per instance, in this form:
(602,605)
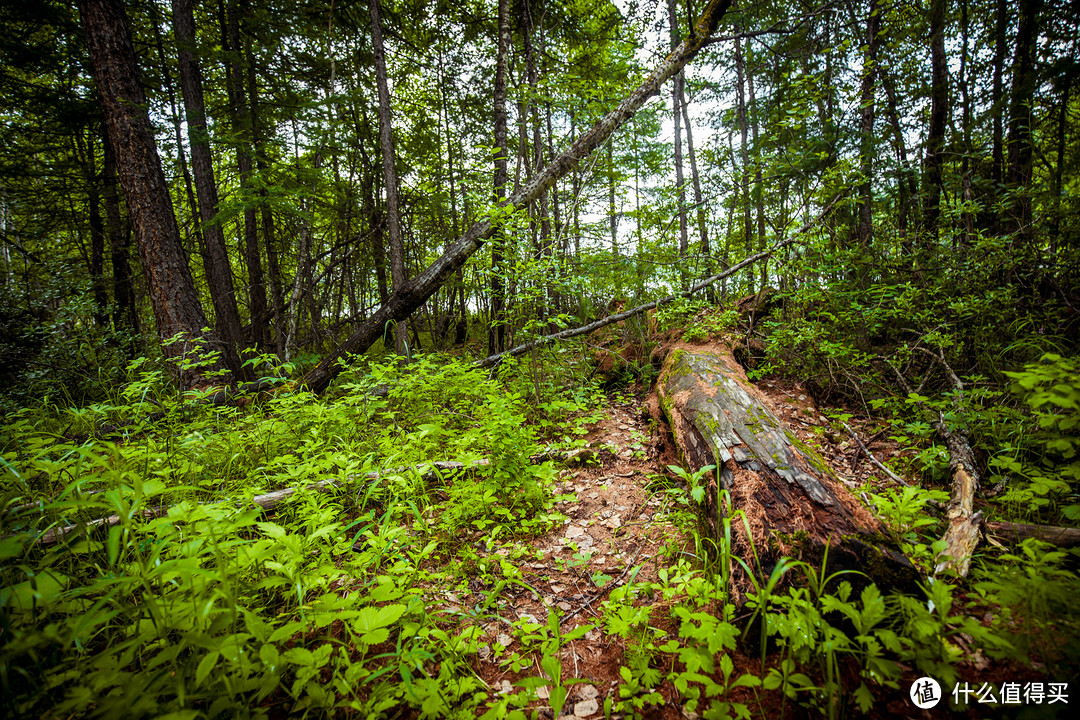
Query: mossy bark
(793,503)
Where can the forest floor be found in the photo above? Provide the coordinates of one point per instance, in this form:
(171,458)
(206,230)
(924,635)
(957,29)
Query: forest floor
(619,530)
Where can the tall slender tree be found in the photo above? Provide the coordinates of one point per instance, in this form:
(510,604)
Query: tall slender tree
(390,179)
(216,256)
(497,330)
(169,283)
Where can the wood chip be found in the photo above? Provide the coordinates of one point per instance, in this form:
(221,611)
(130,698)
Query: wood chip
(586,708)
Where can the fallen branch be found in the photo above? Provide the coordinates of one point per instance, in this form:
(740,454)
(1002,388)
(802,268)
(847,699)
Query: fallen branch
(873,460)
(269,501)
(492,360)
(1015,532)
(962,536)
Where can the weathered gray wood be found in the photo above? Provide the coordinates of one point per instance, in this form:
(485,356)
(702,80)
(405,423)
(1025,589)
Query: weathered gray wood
(793,503)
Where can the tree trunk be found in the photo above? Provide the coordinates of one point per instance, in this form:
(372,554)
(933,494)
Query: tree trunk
(174,117)
(744,154)
(997,108)
(676,100)
(94,183)
(415,292)
(216,259)
(243,130)
(124,313)
(168,278)
(866,129)
(703,228)
(1018,142)
(386,145)
(939,118)
(277,295)
(793,504)
(497,320)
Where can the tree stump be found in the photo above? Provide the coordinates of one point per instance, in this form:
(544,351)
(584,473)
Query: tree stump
(793,503)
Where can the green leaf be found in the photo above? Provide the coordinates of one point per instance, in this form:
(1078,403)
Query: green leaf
(206,666)
(371,622)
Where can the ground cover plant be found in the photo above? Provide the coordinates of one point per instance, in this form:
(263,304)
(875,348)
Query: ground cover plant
(335,602)
(538,358)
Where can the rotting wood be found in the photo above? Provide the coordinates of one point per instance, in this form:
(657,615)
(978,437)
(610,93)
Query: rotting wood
(1013,532)
(492,360)
(793,504)
(962,534)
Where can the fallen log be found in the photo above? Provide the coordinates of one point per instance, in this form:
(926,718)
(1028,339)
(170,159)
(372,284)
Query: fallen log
(962,534)
(1013,533)
(269,501)
(793,503)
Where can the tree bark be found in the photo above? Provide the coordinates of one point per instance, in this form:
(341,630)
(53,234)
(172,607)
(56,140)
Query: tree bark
(866,129)
(1018,142)
(124,313)
(168,278)
(703,228)
(744,153)
(793,504)
(386,145)
(415,292)
(243,130)
(939,118)
(216,260)
(676,101)
(497,320)
(277,296)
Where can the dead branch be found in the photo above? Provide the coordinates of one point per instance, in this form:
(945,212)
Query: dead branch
(962,535)
(492,360)
(873,460)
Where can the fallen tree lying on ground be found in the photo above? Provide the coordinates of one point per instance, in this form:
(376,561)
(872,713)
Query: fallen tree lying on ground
(792,502)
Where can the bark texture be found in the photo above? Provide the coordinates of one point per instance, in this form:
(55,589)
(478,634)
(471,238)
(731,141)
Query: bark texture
(216,256)
(386,146)
(168,278)
(792,502)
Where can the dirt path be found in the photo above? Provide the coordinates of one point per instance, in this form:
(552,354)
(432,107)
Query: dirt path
(618,530)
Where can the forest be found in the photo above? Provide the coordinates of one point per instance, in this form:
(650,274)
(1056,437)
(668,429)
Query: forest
(539,358)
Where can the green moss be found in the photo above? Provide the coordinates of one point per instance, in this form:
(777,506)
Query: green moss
(795,544)
(811,455)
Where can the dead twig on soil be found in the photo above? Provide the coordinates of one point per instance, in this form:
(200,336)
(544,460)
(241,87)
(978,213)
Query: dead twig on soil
(873,460)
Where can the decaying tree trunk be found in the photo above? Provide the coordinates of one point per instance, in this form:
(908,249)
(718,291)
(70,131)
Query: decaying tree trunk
(794,505)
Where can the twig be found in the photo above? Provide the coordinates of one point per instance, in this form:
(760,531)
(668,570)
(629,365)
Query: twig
(869,456)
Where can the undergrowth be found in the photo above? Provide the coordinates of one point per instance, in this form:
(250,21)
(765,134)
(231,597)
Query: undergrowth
(189,601)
